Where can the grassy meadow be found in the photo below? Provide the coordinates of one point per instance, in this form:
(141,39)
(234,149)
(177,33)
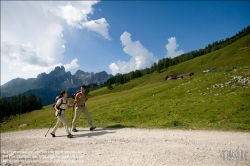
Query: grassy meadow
(151,102)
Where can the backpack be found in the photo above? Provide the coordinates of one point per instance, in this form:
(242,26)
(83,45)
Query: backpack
(74,95)
(57,98)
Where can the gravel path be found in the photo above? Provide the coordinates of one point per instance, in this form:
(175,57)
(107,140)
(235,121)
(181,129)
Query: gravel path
(125,146)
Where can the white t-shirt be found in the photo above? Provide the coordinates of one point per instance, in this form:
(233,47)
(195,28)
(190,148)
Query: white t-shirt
(65,103)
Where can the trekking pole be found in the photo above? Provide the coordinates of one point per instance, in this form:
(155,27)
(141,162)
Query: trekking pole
(49,129)
(72,117)
(50,126)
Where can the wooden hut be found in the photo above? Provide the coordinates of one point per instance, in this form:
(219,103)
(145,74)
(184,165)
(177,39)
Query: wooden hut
(171,77)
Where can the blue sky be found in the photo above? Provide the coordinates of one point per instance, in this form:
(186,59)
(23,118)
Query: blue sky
(111,36)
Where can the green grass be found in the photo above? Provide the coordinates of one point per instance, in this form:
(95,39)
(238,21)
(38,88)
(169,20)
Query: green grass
(169,105)
(151,102)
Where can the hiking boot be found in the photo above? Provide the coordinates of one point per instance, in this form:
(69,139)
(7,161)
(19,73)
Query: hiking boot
(74,130)
(53,135)
(92,128)
(70,136)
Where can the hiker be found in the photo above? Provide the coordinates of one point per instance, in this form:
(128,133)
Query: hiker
(60,107)
(80,100)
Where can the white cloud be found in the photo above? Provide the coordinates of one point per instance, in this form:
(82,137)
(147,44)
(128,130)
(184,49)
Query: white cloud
(30,43)
(72,65)
(22,53)
(32,39)
(141,57)
(77,16)
(100,26)
(171,48)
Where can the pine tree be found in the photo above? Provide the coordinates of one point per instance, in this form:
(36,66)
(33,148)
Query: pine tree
(39,103)
(122,81)
(109,85)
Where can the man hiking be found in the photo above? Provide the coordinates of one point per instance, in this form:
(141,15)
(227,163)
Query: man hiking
(79,102)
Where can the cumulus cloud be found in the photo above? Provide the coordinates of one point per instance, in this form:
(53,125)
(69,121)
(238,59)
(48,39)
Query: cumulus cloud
(140,56)
(72,65)
(22,53)
(77,16)
(172,48)
(32,39)
(100,26)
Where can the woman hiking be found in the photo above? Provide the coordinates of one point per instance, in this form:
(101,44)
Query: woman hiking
(60,106)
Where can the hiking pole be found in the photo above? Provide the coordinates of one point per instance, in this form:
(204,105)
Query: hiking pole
(49,129)
(50,126)
(72,118)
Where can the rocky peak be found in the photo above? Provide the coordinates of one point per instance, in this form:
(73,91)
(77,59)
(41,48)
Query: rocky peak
(56,80)
(58,71)
(83,75)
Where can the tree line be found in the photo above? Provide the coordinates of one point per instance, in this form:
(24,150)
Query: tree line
(19,104)
(167,62)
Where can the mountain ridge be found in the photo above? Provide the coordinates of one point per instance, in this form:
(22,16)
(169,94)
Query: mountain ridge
(54,82)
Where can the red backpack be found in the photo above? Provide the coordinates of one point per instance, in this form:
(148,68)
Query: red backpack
(74,95)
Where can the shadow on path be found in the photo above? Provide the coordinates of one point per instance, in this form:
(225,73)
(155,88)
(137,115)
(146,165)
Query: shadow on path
(97,132)
(117,126)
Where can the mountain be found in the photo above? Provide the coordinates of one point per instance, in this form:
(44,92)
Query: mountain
(47,86)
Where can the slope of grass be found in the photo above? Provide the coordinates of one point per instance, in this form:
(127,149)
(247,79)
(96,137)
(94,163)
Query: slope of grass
(151,102)
(187,103)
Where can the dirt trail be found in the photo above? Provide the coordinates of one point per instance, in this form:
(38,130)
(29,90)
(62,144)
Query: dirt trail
(125,146)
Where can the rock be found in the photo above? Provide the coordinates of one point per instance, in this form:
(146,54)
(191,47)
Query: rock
(23,125)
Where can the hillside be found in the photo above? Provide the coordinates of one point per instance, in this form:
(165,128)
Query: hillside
(217,100)
(236,54)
